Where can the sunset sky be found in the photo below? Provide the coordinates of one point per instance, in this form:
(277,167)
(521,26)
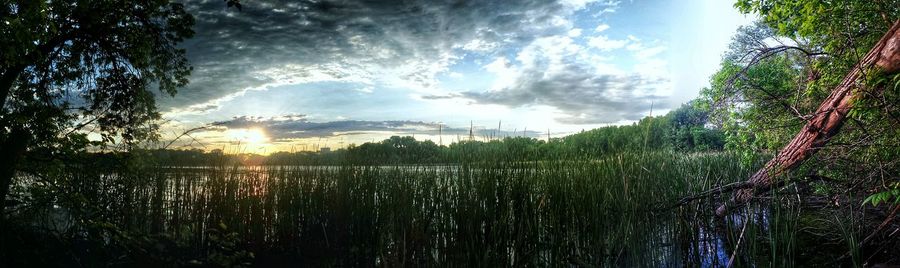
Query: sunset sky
(295,75)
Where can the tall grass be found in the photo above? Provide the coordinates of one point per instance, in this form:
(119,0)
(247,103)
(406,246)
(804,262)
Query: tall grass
(610,211)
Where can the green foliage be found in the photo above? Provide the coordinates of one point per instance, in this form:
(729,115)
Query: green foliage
(885,196)
(762,98)
(89,62)
(824,23)
(690,130)
(756,106)
(396,150)
(684,129)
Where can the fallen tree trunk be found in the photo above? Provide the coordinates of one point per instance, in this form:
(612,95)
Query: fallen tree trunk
(827,121)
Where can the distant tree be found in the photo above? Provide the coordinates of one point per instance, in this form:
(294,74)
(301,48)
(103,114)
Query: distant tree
(690,129)
(65,65)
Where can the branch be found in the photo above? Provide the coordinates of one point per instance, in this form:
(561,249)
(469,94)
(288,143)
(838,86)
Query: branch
(718,190)
(764,53)
(187,132)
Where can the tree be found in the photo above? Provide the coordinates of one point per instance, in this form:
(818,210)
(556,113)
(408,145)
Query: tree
(758,105)
(828,118)
(689,129)
(833,40)
(65,65)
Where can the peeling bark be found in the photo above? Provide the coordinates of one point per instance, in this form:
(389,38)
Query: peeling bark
(828,119)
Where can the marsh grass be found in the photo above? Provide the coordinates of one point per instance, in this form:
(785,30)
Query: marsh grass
(607,212)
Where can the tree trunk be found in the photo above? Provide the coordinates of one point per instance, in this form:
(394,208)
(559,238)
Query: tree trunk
(827,120)
(12,148)
(6,83)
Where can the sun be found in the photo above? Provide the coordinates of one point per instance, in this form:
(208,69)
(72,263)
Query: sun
(247,135)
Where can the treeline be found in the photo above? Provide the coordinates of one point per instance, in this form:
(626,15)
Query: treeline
(684,129)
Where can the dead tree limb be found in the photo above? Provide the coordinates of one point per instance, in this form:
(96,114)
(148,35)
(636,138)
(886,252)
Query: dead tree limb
(718,190)
(828,119)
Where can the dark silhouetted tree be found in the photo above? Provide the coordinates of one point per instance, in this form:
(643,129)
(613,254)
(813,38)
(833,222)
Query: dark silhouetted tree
(65,65)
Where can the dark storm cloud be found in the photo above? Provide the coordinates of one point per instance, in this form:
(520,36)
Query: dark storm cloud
(298,126)
(274,41)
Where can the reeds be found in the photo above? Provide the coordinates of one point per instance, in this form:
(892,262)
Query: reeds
(504,213)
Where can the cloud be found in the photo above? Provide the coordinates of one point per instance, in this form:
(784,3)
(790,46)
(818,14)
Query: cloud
(601,28)
(291,127)
(393,43)
(642,51)
(574,32)
(441,97)
(606,44)
(586,99)
(558,72)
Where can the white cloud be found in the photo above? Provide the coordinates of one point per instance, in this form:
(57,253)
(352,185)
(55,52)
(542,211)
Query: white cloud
(604,43)
(505,74)
(646,53)
(480,45)
(284,75)
(601,28)
(256,49)
(556,71)
(577,4)
(642,51)
(575,32)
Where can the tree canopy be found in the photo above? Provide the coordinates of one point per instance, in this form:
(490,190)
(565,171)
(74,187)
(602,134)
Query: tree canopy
(66,65)
(779,70)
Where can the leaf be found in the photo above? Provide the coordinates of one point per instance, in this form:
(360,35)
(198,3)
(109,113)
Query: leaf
(878,198)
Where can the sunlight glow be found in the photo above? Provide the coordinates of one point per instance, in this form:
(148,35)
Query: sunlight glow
(251,136)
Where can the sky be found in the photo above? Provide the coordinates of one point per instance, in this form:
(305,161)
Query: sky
(301,75)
